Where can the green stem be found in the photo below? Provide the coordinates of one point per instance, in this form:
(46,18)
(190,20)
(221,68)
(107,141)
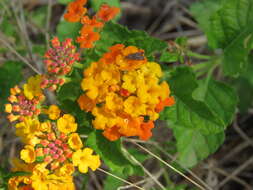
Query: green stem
(197,55)
(78,65)
(201,66)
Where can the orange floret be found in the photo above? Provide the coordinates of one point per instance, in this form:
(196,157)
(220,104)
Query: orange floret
(110,57)
(86,103)
(112,133)
(107,13)
(92,22)
(145,130)
(75,11)
(131,58)
(163,103)
(88,37)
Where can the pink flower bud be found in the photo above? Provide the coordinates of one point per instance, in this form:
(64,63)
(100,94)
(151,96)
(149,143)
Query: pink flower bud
(46,150)
(62,158)
(55,156)
(58,142)
(60,151)
(51,145)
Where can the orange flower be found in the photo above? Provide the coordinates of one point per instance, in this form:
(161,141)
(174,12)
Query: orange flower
(163,103)
(75,11)
(131,58)
(145,130)
(107,13)
(88,37)
(130,125)
(121,89)
(86,103)
(92,22)
(112,54)
(112,133)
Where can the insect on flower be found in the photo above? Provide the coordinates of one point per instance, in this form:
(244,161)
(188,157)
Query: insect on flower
(136,56)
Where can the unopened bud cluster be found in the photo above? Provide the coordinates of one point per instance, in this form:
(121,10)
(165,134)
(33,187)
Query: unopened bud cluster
(20,106)
(58,61)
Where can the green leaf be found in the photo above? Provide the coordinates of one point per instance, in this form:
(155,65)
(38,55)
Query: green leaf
(232,20)
(10,75)
(245,99)
(232,30)
(69,91)
(112,183)
(236,53)
(64,2)
(67,30)
(187,111)
(245,84)
(168,57)
(97,3)
(202,111)
(206,106)
(219,97)
(116,33)
(228,25)
(111,154)
(193,145)
(210,7)
(67,97)
(138,155)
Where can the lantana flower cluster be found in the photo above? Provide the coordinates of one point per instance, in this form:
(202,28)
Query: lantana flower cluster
(89,32)
(25,102)
(59,61)
(52,151)
(124,93)
(52,147)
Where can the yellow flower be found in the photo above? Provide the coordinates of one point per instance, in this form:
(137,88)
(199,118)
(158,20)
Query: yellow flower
(90,85)
(166,90)
(84,160)
(152,68)
(150,93)
(66,124)
(54,112)
(103,118)
(42,179)
(74,141)
(66,169)
(32,88)
(45,126)
(28,128)
(14,183)
(8,108)
(113,102)
(130,81)
(99,78)
(28,154)
(134,106)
